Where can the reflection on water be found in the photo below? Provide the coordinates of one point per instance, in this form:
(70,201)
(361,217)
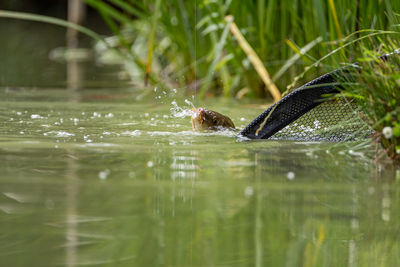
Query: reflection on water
(81,187)
(113,177)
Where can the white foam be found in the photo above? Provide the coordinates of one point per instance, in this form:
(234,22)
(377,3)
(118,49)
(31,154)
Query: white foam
(132,133)
(179,112)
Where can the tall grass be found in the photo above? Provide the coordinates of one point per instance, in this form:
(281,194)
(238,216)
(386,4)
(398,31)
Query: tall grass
(189,33)
(375,85)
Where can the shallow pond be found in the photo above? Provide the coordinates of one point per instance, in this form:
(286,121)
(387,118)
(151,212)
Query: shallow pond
(104,175)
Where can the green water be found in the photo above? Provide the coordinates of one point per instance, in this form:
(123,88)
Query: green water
(110,176)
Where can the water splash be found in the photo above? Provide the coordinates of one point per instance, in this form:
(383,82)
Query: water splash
(189,103)
(178,112)
(225,132)
(104,174)
(132,133)
(37,116)
(62,134)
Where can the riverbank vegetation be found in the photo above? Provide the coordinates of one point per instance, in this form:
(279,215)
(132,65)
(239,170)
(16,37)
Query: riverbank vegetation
(374,85)
(187,44)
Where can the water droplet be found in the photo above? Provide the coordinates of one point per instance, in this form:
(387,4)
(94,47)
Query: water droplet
(35,116)
(132,133)
(104,174)
(290,175)
(248,191)
(189,103)
(179,112)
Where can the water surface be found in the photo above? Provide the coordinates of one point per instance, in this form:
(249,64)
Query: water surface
(109,175)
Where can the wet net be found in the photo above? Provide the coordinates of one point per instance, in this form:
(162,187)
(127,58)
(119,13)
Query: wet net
(334,120)
(309,114)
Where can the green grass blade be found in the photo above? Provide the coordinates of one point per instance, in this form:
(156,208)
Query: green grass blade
(319,10)
(129,8)
(217,55)
(294,58)
(51,20)
(341,48)
(261,25)
(109,10)
(188,31)
(151,40)
(110,23)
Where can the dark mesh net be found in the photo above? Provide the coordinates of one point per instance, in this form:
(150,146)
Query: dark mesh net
(333,120)
(307,114)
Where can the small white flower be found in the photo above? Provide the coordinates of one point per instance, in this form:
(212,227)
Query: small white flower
(387,132)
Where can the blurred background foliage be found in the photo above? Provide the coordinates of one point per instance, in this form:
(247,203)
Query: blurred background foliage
(182,38)
(181,44)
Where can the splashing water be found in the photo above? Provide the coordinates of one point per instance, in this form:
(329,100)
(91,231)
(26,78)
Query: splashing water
(189,103)
(179,112)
